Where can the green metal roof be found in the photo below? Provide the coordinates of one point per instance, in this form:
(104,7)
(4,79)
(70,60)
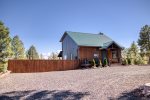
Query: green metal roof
(89,39)
(107,44)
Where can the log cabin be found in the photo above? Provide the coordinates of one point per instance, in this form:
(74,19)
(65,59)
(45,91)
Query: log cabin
(79,46)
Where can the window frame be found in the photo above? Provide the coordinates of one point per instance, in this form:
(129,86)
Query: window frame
(114,54)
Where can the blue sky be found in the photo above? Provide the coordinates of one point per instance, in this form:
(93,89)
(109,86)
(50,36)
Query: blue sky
(43,22)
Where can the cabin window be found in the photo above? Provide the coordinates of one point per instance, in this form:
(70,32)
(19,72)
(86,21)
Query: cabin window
(96,55)
(114,54)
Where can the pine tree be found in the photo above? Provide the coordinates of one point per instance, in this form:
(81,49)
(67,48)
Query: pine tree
(133,53)
(133,50)
(124,53)
(32,53)
(5,47)
(18,48)
(144,40)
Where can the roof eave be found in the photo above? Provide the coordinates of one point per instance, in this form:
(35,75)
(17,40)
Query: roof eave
(65,33)
(114,43)
(89,46)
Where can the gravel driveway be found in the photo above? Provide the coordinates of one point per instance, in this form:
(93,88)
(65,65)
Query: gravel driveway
(94,84)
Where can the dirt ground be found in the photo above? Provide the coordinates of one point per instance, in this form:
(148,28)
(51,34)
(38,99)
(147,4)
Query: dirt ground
(109,83)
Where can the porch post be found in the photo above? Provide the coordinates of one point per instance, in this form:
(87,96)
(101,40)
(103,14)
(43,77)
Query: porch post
(119,55)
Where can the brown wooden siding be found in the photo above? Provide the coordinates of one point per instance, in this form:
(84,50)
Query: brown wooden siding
(26,66)
(88,52)
(109,53)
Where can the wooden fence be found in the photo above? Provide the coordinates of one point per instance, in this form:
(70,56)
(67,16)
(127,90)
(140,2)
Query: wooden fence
(27,66)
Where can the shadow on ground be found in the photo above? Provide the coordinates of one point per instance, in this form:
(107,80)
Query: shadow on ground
(135,94)
(43,95)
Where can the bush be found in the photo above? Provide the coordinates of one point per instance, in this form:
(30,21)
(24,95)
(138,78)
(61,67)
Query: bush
(3,68)
(94,63)
(124,61)
(105,62)
(145,60)
(132,61)
(139,61)
(129,61)
(100,63)
(91,62)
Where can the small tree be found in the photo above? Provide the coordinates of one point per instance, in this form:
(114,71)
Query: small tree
(133,53)
(94,64)
(18,48)
(105,62)
(53,56)
(144,40)
(41,56)
(124,53)
(32,53)
(5,47)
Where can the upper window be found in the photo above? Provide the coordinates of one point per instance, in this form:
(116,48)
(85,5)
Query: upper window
(114,54)
(96,55)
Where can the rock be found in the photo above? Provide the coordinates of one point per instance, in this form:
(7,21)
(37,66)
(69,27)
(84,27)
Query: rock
(146,90)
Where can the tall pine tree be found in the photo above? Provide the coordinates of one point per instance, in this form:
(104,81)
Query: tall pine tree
(144,40)
(5,47)
(32,53)
(18,48)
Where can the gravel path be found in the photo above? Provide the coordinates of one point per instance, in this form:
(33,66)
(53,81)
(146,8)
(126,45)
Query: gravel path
(96,84)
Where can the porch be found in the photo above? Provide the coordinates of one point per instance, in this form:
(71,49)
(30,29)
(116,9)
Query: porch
(112,53)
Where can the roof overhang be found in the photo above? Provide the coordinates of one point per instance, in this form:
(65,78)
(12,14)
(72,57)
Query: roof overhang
(64,35)
(89,46)
(112,42)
